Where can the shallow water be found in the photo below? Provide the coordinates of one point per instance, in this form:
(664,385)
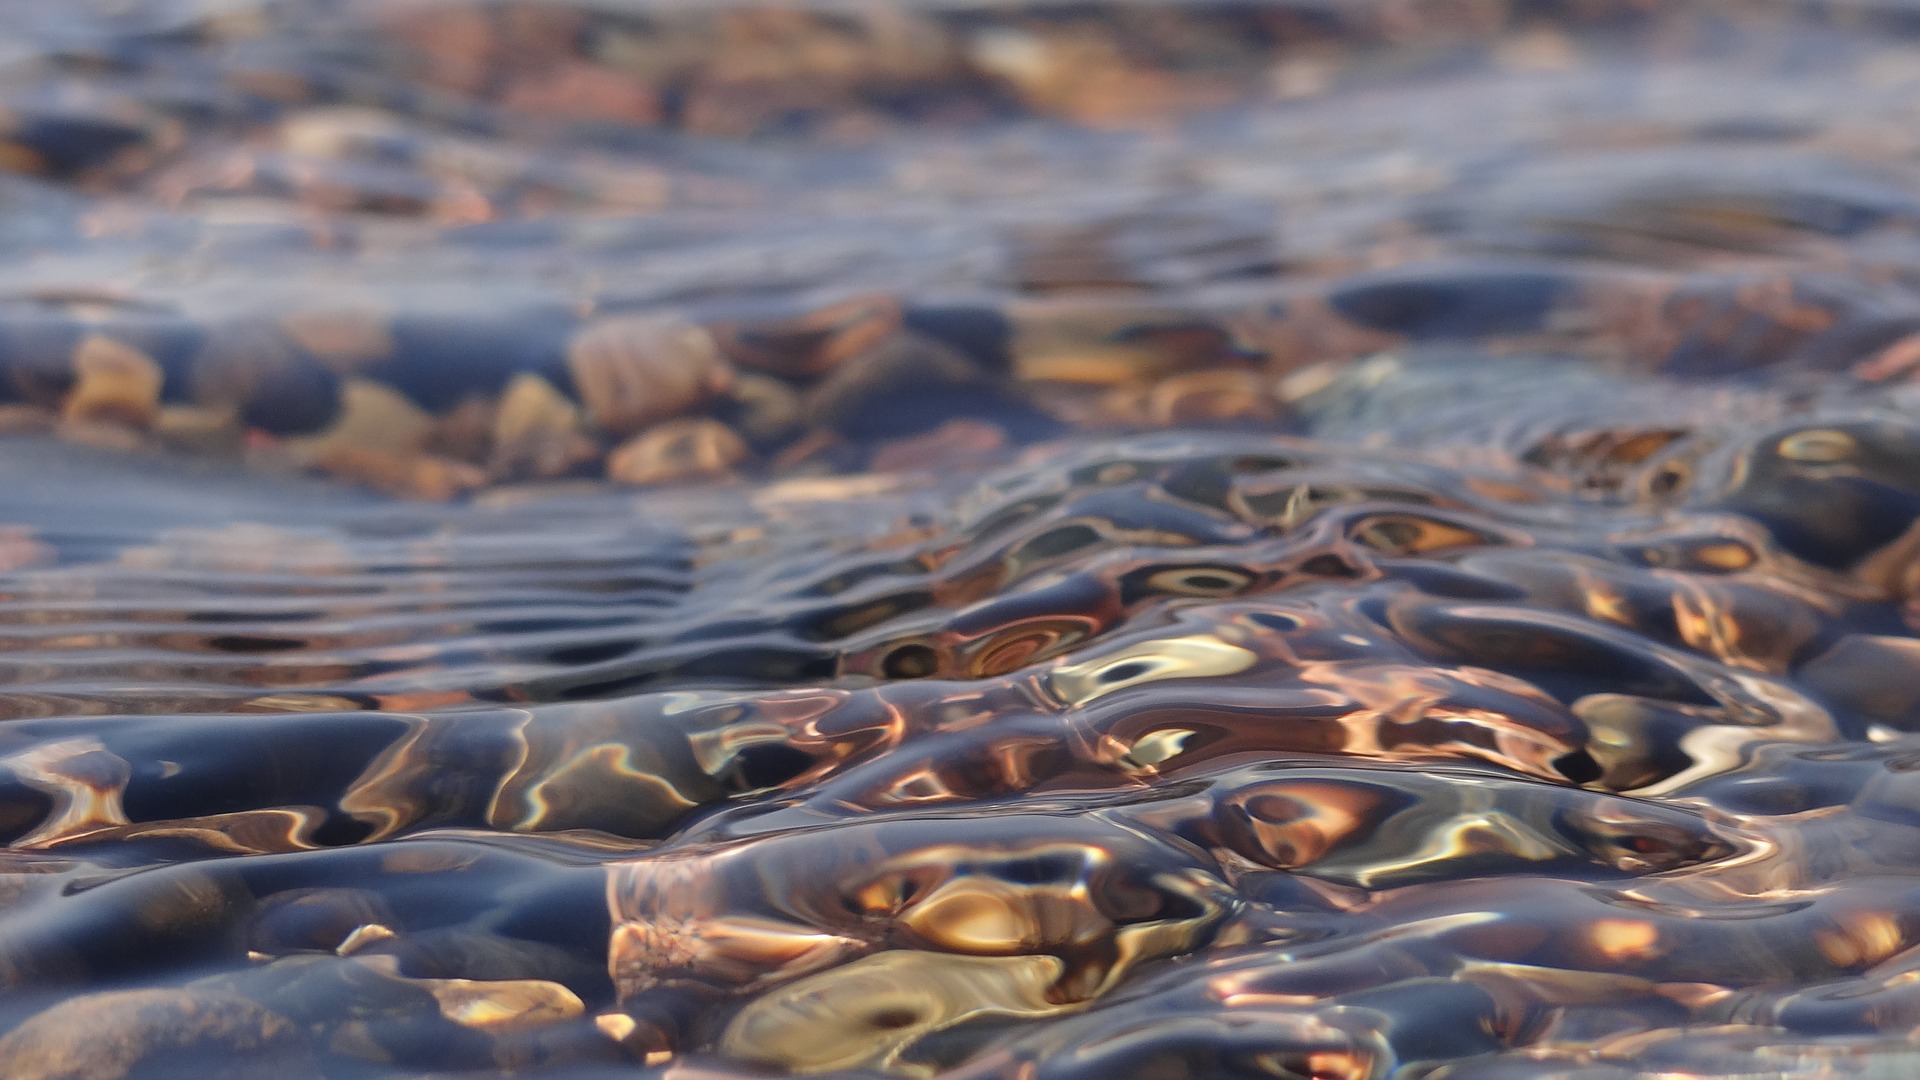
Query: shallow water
(969,540)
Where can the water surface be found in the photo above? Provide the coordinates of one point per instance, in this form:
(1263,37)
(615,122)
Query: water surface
(1083,540)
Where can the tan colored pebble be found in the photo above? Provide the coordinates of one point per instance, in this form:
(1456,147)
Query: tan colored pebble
(114,383)
(864,1012)
(615,1026)
(530,406)
(813,343)
(362,937)
(380,440)
(1109,344)
(373,416)
(632,370)
(683,449)
(503,1005)
(537,431)
(133,1033)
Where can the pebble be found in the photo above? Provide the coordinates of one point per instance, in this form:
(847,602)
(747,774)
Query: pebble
(633,370)
(116,383)
(684,449)
(151,1034)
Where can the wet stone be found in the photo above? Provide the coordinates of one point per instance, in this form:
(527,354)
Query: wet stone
(677,450)
(632,370)
(813,343)
(154,1033)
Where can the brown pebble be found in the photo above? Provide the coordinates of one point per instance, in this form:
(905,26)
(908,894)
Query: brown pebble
(380,440)
(115,383)
(537,432)
(631,370)
(130,1034)
(1108,344)
(21,158)
(677,450)
(374,416)
(531,404)
(813,343)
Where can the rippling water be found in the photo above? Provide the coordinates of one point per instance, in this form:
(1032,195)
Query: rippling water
(1047,541)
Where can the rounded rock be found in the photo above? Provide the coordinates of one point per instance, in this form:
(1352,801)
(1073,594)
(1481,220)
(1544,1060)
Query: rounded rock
(632,370)
(149,1034)
(677,450)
